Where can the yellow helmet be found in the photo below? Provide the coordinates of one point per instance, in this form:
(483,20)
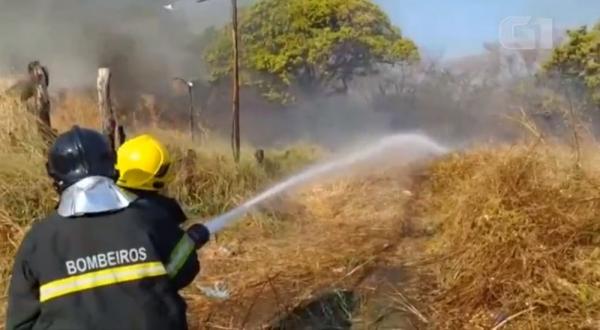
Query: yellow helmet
(143,163)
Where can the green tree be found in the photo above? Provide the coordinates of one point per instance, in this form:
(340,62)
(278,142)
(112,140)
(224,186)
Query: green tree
(577,61)
(294,46)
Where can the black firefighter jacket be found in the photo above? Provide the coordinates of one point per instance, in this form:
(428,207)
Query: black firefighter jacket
(155,199)
(112,271)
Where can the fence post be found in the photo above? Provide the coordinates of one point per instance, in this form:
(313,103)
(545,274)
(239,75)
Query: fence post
(109,124)
(122,136)
(40,79)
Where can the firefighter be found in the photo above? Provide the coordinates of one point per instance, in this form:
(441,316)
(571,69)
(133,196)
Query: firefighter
(145,168)
(100,260)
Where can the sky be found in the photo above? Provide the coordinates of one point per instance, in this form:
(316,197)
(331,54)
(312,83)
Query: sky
(454,28)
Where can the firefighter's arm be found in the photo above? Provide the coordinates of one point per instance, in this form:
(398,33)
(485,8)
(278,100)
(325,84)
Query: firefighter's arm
(23,297)
(177,249)
(177,212)
(183,265)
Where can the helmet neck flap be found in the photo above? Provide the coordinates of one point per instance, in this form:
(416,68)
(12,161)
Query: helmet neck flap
(93,194)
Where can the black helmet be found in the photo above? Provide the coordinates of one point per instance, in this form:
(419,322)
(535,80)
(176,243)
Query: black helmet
(80,153)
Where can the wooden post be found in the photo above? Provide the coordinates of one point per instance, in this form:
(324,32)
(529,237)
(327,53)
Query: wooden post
(122,135)
(235,123)
(190,86)
(40,78)
(259,155)
(109,124)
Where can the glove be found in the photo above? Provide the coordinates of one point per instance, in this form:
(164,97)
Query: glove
(199,234)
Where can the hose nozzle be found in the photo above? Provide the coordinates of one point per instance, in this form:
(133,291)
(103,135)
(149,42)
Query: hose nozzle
(199,234)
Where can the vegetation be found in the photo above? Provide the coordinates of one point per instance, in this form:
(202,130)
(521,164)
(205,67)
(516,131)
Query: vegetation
(509,235)
(577,61)
(516,236)
(499,236)
(291,46)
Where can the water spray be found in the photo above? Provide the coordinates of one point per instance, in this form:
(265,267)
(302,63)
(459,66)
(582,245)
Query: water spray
(424,146)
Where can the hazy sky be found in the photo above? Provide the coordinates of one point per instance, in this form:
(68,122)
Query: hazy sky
(452,28)
(448,28)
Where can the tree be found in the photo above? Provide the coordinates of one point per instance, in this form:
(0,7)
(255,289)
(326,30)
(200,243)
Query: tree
(577,61)
(304,46)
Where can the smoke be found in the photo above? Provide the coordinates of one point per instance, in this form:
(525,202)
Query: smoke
(457,108)
(145,44)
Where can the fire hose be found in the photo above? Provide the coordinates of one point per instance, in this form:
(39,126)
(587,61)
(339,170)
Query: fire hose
(201,232)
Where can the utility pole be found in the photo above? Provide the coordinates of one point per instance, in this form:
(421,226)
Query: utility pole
(190,89)
(235,123)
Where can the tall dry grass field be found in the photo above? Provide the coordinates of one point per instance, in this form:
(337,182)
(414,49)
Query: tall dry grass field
(517,238)
(496,238)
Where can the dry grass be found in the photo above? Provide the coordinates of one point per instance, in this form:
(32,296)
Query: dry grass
(517,239)
(514,231)
(25,192)
(18,129)
(6,82)
(329,237)
(75,108)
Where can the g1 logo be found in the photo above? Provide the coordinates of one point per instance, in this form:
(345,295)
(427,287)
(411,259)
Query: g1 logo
(526,32)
